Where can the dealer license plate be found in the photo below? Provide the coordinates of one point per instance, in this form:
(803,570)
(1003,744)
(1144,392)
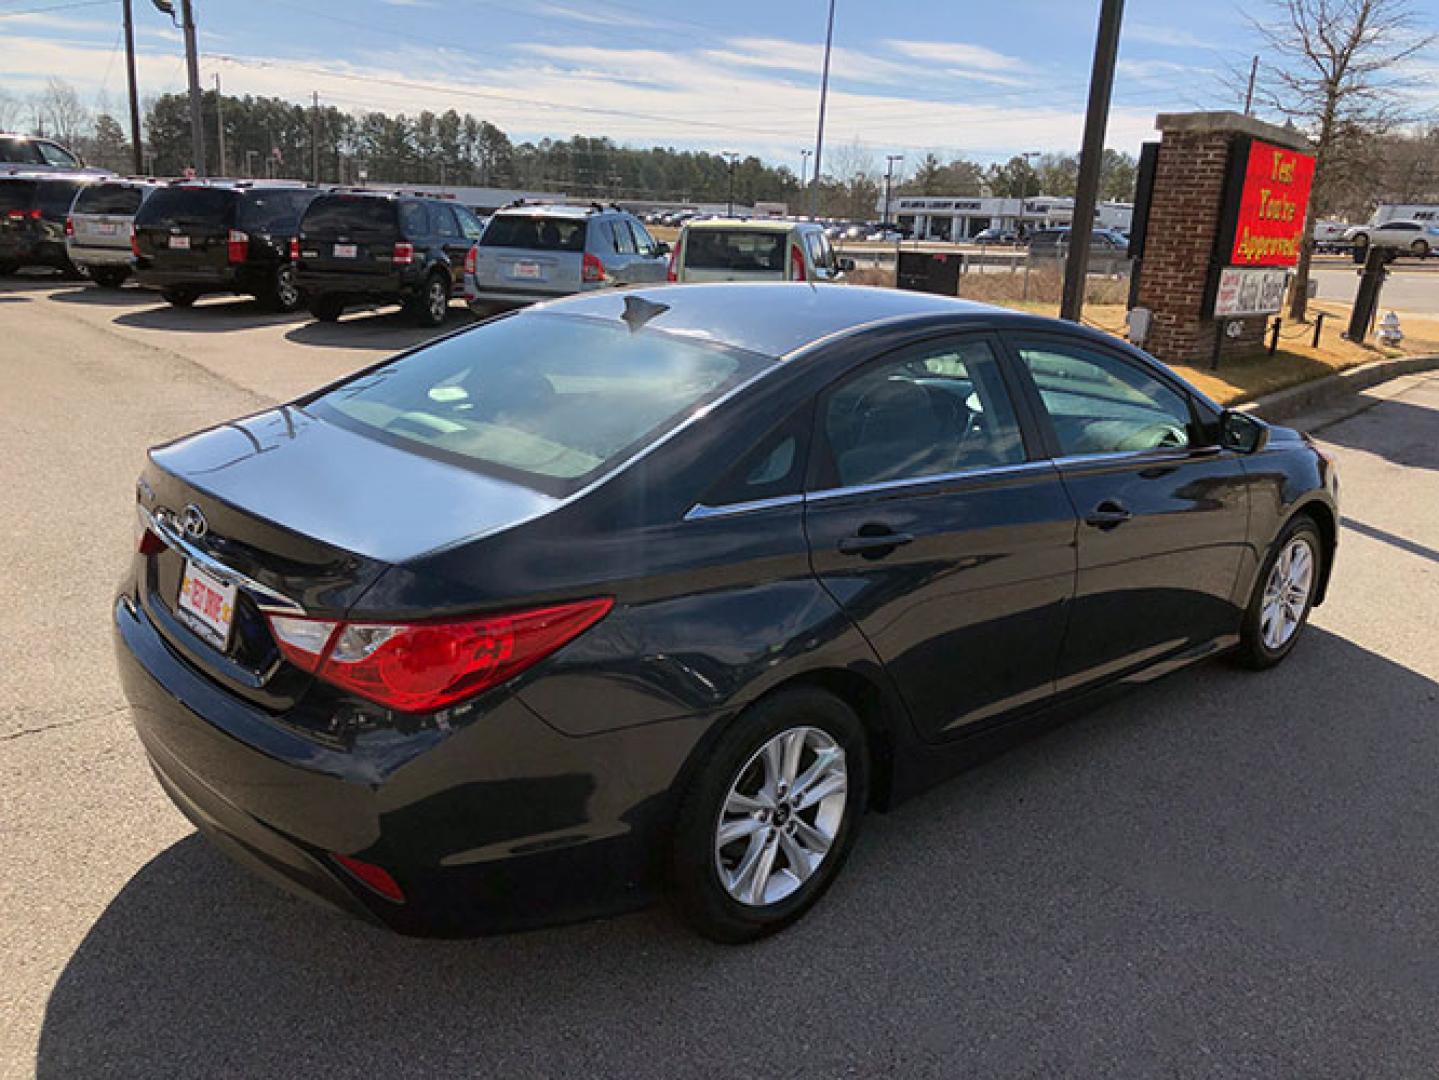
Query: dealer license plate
(207,605)
(527,270)
(179,243)
(346,251)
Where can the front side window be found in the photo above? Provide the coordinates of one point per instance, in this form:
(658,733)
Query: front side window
(643,240)
(941,408)
(1100,403)
(469,224)
(58,156)
(546,400)
(624,239)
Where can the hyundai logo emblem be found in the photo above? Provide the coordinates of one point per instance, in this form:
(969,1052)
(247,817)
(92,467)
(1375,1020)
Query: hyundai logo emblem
(193,522)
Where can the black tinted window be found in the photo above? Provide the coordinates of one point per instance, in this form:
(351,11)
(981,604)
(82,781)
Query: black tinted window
(56,196)
(20,151)
(273,211)
(109,199)
(17,194)
(941,409)
(187,206)
(352,215)
(538,232)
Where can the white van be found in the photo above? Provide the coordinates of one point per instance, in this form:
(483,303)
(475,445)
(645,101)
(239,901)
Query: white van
(732,249)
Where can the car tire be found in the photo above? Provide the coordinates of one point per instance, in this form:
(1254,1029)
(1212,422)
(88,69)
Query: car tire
(1276,604)
(327,308)
(1360,241)
(8,268)
(284,293)
(717,885)
(72,272)
(181,298)
(109,277)
(1420,248)
(432,303)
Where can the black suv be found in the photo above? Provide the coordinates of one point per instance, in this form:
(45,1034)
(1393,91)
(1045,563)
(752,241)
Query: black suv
(221,236)
(367,247)
(33,209)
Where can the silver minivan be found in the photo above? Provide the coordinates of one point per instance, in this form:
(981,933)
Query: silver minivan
(101,222)
(530,253)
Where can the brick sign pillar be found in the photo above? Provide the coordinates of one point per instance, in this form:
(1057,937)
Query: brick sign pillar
(1191,229)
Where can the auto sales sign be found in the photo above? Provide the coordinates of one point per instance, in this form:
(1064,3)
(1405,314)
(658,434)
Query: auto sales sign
(1272,203)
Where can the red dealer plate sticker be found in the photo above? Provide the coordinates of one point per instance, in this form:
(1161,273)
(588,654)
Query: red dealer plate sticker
(207,605)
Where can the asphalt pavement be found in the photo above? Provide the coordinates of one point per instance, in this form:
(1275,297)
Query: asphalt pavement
(1219,874)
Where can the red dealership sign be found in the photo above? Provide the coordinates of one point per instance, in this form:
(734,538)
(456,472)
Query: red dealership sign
(1273,202)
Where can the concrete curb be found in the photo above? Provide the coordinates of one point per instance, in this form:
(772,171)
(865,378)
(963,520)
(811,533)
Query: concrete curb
(1317,394)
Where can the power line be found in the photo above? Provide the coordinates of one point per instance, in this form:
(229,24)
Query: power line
(53,7)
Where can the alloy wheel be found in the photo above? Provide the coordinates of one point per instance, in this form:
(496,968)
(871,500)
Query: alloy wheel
(781,816)
(286,291)
(439,300)
(1286,594)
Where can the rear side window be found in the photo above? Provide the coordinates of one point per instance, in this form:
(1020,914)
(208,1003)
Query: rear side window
(179,206)
(624,239)
(442,221)
(17,194)
(270,211)
(538,232)
(734,249)
(353,215)
(20,151)
(109,199)
(414,221)
(547,400)
(56,196)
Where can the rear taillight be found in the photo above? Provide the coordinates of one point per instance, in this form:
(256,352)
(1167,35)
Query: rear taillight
(69,226)
(237,246)
(591,269)
(796,263)
(425,666)
(404,253)
(134,244)
(472,260)
(294,249)
(673,272)
(23,215)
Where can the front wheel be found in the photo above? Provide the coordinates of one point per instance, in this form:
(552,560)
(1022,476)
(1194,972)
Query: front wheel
(1283,596)
(181,298)
(768,822)
(327,308)
(1420,248)
(433,302)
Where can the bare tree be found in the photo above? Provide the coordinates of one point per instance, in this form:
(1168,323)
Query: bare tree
(62,111)
(11,109)
(1335,71)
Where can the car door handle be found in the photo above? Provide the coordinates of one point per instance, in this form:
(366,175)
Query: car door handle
(1109,514)
(874,543)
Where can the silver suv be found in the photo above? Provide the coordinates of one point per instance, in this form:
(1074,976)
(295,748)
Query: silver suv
(530,253)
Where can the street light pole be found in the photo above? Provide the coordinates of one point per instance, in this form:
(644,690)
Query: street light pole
(804,156)
(819,134)
(731,157)
(889,160)
(1086,194)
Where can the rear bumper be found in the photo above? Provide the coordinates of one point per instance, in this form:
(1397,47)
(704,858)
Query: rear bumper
(96,255)
(521,295)
(504,824)
(348,283)
(199,278)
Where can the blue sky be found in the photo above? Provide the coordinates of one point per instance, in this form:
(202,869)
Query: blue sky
(983,79)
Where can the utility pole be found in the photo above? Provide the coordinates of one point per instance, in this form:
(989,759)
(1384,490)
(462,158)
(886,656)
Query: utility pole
(889,160)
(315,139)
(1081,223)
(1249,94)
(220,123)
(731,157)
(192,65)
(819,134)
(136,145)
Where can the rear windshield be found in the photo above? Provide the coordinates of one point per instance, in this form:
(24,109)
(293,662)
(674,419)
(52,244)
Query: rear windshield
(535,231)
(350,214)
(21,151)
(109,199)
(725,249)
(271,210)
(187,206)
(551,401)
(57,195)
(17,194)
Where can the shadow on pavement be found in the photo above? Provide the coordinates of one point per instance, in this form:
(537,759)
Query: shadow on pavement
(387,328)
(210,316)
(1402,432)
(1198,872)
(1393,539)
(98,297)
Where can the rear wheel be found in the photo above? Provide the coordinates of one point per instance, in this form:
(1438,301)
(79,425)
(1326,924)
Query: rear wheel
(432,304)
(180,297)
(1361,241)
(327,308)
(8,268)
(766,826)
(1420,248)
(1283,596)
(71,272)
(284,292)
(109,277)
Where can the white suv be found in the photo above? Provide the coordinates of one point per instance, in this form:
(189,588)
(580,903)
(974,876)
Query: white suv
(1413,237)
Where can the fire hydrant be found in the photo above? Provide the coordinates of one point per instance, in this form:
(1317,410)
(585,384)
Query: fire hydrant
(1389,332)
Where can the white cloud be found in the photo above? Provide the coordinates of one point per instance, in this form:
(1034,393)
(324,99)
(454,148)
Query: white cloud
(593,18)
(1156,34)
(958,54)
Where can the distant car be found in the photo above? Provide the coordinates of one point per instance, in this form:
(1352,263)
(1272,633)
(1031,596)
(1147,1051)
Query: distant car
(729,250)
(885,233)
(1408,237)
(1329,235)
(34,152)
(996,235)
(195,237)
(356,247)
(100,225)
(855,232)
(530,253)
(33,211)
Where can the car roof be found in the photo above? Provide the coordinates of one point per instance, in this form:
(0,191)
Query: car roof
(751,224)
(771,318)
(552,210)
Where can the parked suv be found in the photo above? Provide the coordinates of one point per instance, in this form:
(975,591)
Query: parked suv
(531,253)
(366,246)
(33,209)
(32,152)
(727,249)
(100,225)
(194,237)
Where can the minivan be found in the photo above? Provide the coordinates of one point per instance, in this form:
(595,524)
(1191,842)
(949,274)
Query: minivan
(101,222)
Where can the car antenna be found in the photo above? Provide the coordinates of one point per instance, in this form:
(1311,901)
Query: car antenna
(639,311)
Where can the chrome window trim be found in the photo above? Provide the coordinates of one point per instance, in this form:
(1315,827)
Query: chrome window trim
(160,525)
(1140,456)
(701,512)
(1019,468)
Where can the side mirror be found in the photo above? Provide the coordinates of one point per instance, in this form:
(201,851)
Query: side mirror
(846,266)
(661,248)
(1241,432)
